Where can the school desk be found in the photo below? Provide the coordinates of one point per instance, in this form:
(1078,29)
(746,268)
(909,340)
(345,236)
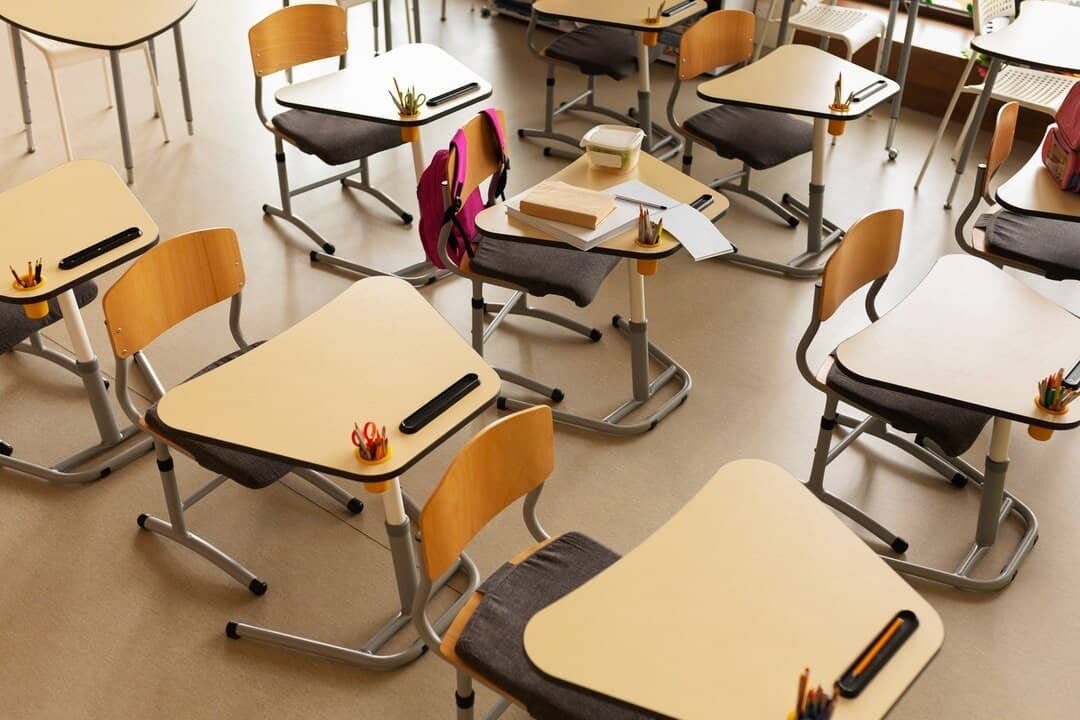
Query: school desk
(630,15)
(1033,191)
(494,222)
(110,25)
(347,362)
(52,216)
(361,91)
(717,613)
(798,80)
(972,335)
(1042,37)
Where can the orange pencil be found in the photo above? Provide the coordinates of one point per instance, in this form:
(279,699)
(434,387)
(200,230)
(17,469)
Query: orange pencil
(873,653)
(800,704)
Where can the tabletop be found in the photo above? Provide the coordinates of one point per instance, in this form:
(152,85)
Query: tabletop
(361,89)
(797,79)
(1043,36)
(1033,191)
(106,24)
(494,222)
(630,14)
(61,212)
(734,603)
(376,352)
(970,335)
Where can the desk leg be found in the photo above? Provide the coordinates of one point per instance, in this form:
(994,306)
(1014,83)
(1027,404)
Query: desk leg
(645,91)
(408,21)
(388,31)
(886,39)
(121,114)
(901,75)
(781,31)
(185,92)
(24,87)
(419,159)
(639,334)
(416,20)
(973,130)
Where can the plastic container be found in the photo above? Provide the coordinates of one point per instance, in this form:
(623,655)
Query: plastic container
(613,147)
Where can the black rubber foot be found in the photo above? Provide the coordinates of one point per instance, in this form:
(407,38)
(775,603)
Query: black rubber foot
(547,152)
(793,222)
(892,154)
(899,545)
(343,183)
(142,520)
(631,111)
(230,630)
(595,335)
(314,255)
(959,480)
(406,218)
(355,505)
(483,13)
(501,403)
(785,199)
(266,208)
(6,448)
(557,395)
(521,132)
(329,249)
(257,587)
(615,319)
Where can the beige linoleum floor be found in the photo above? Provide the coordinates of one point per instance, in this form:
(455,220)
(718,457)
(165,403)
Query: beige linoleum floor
(100,620)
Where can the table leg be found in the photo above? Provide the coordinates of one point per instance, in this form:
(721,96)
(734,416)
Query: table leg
(418,157)
(121,114)
(416,20)
(781,31)
(388,32)
(973,131)
(408,20)
(816,199)
(644,93)
(997,464)
(901,75)
(185,92)
(886,39)
(24,87)
(639,333)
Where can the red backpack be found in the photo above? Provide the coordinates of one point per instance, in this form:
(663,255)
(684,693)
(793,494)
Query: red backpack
(434,213)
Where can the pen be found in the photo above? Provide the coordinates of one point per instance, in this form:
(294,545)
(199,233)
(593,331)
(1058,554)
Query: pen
(677,8)
(624,198)
(860,95)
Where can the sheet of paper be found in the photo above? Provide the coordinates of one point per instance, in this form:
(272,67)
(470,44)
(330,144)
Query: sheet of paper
(694,231)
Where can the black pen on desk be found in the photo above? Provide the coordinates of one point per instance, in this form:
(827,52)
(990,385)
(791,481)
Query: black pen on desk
(645,203)
(860,95)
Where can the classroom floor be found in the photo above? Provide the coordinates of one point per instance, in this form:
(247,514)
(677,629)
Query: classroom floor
(101,620)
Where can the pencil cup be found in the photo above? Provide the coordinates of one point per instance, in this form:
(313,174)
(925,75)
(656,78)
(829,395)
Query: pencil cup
(410,134)
(1040,433)
(34,311)
(389,454)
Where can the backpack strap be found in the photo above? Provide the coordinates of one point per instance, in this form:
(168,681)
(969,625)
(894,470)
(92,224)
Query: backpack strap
(497,186)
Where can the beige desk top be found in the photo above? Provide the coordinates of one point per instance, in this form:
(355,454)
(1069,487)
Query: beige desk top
(1043,36)
(618,13)
(797,79)
(61,212)
(360,90)
(96,23)
(377,352)
(493,221)
(1032,191)
(717,613)
(972,335)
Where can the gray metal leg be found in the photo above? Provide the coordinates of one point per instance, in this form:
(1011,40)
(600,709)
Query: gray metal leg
(389,34)
(785,16)
(464,697)
(185,92)
(886,39)
(121,114)
(153,54)
(416,20)
(352,503)
(742,187)
(24,87)
(973,130)
(901,73)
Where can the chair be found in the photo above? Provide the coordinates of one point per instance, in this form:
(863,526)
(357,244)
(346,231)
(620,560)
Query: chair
(508,459)
(525,269)
(345,5)
(60,55)
(853,28)
(593,50)
(164,287)
(942,432)
(293,36)
(1035,244)
(1032,89)
(759,139)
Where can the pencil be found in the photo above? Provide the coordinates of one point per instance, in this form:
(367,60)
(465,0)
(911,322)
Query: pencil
(801,699)
(18,280)
(876,649)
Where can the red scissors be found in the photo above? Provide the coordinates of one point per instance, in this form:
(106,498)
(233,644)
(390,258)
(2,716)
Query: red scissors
(370,435)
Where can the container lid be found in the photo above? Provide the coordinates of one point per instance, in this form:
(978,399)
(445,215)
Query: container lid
(615,137)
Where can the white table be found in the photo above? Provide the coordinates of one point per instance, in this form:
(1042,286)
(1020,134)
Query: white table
(1033,191)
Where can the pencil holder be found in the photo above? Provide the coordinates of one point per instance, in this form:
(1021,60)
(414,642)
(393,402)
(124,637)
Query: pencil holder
(34,311)
(372,445)
(363,461)
(408,102)
(1040,433)
(837,127)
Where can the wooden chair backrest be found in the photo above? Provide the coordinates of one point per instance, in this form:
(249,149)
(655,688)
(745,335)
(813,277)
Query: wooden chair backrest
(868,251)
(503,462)
(724,37)
(170,283)
(296,35)
(483,158)
(1002,141)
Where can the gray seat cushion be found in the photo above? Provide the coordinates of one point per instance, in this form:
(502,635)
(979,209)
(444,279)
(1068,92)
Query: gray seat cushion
(336,140)
(248,470)
(760,138)
(953,428)
(16,327)
(543,270)
(1052,245)
(597,50)
(492,642)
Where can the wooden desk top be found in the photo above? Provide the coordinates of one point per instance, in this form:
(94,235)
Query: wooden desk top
(360,90)
(1033,191)
(1043,36)
(618,13)
(494,221)
(970,335)
(376,352)
(61,212)
(106,24)
(797,79)
(717,613)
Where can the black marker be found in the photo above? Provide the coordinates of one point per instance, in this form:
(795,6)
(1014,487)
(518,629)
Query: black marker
(451,94)
(439,404)
(100,248)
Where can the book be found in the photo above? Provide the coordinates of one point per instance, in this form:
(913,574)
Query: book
(561,202)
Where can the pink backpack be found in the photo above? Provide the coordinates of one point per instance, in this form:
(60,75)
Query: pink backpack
(1061,146)
(434,214)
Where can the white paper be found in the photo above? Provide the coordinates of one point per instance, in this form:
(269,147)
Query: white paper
(696,233)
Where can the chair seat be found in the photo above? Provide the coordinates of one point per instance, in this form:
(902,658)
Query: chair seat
(760,138)
(542,270)
(857,27)
(1050,245)
(1033,89)
(16,327)
(335,140)
(597,50)
(492,644)
(247,469)
(952,428)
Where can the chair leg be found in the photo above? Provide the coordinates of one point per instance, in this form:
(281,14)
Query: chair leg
(108,82)
(285,211)
(963,132)
(158,110)
(548,132)
(60,112)
(479,307)
(464,697)
(353,504)
(365,186)
(945,119)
